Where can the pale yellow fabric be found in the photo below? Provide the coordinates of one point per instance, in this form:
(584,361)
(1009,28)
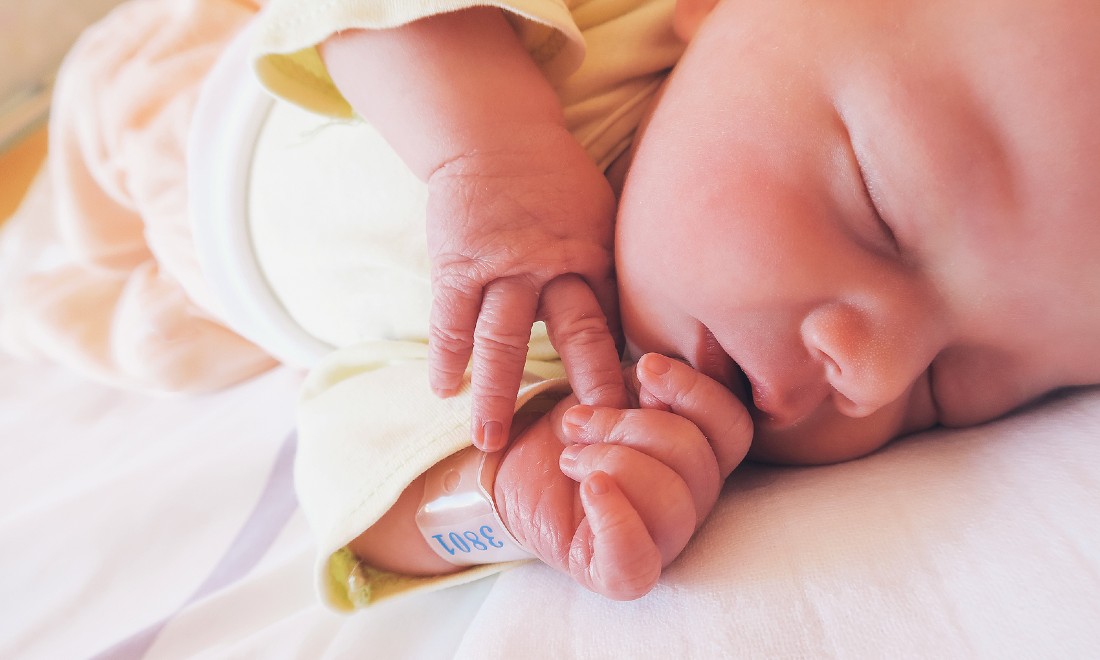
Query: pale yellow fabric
(337,228)
(604,57)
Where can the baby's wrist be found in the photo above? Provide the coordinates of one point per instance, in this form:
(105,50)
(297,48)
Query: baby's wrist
(458,516)
(468,146)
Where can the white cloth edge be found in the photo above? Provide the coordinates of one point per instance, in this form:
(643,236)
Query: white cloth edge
(229,116)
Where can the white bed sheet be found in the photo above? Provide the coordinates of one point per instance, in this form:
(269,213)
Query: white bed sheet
(972,543)
(134,527)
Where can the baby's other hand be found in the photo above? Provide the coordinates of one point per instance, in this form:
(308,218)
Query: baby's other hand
(504,223)
(622,499)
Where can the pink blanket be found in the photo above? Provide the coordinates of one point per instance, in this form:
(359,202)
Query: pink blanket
(127,303)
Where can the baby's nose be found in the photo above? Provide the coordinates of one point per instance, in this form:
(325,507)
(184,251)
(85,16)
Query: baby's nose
(869,359)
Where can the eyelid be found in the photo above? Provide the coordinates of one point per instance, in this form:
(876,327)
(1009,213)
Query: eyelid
(871,194)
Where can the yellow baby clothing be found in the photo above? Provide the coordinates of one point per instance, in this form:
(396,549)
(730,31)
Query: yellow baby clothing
(369,424)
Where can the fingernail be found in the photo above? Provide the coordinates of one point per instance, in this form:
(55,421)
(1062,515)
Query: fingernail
(597,483)
(569,454)
(656,364)
(492,435)
(577,416)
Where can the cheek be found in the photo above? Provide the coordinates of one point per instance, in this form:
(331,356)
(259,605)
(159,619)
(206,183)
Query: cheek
(637,309)
(767,241)
(654,277)
(651,324)
(975,385)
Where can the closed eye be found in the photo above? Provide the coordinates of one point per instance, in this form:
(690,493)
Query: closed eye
(870,190)
(871,194)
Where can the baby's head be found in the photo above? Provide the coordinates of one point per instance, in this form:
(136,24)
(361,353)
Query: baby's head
(887,214)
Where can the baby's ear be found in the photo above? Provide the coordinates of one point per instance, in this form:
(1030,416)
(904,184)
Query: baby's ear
(689,16)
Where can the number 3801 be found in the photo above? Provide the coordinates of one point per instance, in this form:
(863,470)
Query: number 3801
(468,541)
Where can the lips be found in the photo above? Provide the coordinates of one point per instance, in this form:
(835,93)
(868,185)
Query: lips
(777,409)
(712,360)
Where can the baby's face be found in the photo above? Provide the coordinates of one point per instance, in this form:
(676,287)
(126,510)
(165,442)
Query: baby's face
(870,218)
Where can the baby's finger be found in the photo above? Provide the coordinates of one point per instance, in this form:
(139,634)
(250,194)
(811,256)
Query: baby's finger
(721,417)
(451,332)
(612,552)
(663,436)
(607,296)
(501,337)
(659,495)
(579,332)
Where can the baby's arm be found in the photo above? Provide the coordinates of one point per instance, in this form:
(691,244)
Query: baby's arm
(442,87)
(613,505)
(514,201)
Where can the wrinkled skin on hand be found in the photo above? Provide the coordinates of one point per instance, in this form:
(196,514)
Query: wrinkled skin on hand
(614,500)
(504,223)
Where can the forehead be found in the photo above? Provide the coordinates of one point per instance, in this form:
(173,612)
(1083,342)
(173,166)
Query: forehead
(1002,49)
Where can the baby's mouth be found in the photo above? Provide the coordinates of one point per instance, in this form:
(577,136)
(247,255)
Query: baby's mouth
(712,360)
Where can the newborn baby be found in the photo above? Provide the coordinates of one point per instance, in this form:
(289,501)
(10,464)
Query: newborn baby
(860,220)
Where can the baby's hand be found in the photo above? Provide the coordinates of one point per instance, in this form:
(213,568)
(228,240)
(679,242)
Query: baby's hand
(505,224)
(635,484)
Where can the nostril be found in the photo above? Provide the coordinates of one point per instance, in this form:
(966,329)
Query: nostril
(832,368)
(827,333)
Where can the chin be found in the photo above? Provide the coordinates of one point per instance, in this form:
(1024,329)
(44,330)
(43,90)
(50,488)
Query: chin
(823,439)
